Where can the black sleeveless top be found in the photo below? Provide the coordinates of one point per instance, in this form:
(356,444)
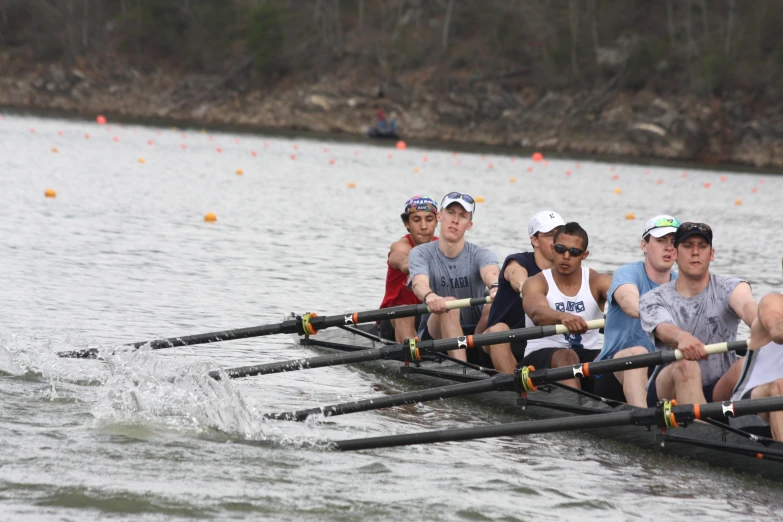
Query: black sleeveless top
(507,306)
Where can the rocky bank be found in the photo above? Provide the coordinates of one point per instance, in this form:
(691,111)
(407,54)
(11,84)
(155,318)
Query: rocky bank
(494,110)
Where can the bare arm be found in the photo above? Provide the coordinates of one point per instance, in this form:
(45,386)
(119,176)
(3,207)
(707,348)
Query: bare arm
(398,255)
(420,286)
(771,316)
(515,274)
(600,283)
(537,307)
(490,274)
(743,304)
(671,335)
(627,297)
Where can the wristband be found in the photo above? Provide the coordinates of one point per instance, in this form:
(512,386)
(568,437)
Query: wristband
(425,296)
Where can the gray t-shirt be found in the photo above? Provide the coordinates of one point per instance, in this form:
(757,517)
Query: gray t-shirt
(707,316)
(459,276)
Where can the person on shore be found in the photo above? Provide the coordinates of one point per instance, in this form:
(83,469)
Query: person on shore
(384,126)
(695,309)
(623,334)
(567,294)
(506,311)
(762,372)
(420,219)
(451,268)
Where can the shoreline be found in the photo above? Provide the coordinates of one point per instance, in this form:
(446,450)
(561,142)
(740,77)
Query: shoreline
(357,138)
(641,128)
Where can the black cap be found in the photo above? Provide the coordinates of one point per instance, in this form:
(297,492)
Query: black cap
(689,229)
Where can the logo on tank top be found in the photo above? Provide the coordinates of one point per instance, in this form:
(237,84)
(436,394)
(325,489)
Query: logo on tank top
(576,307)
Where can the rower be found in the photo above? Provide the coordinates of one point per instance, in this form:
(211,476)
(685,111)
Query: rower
(420,219)
(762,372)
(506,311)
(451,268)
(623,334)
(695,309)
(567,293)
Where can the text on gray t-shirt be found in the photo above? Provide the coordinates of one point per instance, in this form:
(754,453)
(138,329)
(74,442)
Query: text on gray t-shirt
(459,277)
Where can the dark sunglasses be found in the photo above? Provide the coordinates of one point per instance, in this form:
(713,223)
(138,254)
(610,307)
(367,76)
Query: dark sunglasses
(460,195)
(562,249)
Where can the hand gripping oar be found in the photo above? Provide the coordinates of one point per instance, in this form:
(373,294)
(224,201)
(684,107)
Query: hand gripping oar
(667,415)
(306,324)
(521,381)
(409,350)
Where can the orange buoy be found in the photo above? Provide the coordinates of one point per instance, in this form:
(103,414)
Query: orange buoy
(184,146)
(762,181)
(219,150)
(616,177)
(401,145)
(141,160)
(660,182)
(723,178)
(54,149)
(210,217)
(331,161)
(326,149)
(512,180)
(479,199)
(293,156)
(490,166)
(253,153)
(101,119)
(568,173)
(425,159)
(240,172)
(351,185)
(416,170)
(150,142)
(754,190)
(50,193)
(618,190)
(684,174)
(629,216)
(530,169)
(116,138)
(59,133)
(86,136)
(706,185)
(390,156)
(738,202)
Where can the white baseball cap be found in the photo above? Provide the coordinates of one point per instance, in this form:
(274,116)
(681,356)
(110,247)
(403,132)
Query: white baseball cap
(661,225)
(545,221)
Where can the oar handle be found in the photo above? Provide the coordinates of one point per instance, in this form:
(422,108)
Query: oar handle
(593,324)
(712,349)
(464,303)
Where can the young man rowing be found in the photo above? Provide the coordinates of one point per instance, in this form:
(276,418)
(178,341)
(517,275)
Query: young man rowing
(567,293)
(506,311)
(420,219)
(762,373)
(452,268)
(623,336)
(697,308)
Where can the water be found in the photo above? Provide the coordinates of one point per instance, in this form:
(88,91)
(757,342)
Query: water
(123,254)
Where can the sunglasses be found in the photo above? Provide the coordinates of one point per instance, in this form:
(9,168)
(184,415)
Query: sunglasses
(460,195)
(562,249)
(701,227)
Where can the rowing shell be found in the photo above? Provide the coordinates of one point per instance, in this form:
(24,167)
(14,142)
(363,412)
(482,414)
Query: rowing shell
(714,445)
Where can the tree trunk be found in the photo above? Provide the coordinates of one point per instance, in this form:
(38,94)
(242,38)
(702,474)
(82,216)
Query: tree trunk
(85,22)
(361,14)
(670,18)
(705,26)
(594,26)
(444,41)
(573,19)
(731,19)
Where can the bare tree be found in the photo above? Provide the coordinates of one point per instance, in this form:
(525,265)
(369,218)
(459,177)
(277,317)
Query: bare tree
(444,42)
(670,19)
(573,19)
(731,20)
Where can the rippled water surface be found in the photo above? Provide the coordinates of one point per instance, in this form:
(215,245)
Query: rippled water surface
(123,254)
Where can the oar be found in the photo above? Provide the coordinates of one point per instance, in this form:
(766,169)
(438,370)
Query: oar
(306,324)
(666,416)
(520,381)
(410,352)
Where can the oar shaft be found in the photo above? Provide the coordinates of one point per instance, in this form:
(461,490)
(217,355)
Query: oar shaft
(443,392)
(481,432)
(309,363)
(642,417)
(626,363)
(289,326)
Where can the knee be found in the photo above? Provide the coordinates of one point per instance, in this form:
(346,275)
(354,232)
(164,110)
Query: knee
(629,352)
(776,388)
(499,327)
(565,357)
(686,371)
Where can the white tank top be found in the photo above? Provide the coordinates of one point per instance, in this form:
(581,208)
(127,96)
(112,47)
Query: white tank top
(760,367)
(582,304)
